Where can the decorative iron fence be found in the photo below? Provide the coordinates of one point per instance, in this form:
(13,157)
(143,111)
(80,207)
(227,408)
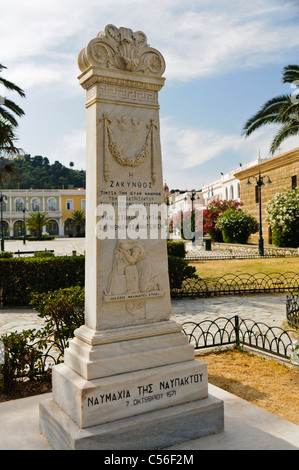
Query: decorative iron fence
(292,309)
(234,284)
(235,330)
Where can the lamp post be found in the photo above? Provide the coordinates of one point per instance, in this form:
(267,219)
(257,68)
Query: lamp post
(3,199)
(192,198)
(24,210)
(260,182)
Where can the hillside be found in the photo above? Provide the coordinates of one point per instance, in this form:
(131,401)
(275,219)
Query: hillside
(37,173)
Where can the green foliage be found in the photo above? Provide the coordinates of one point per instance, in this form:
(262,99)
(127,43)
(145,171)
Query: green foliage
(21,359)
(6,254)
(36,221)
(78,220)
(211,215)
(9,111)
(282,110)
(236,226)
(179,271)
(176,248)
(63,311)
(283,218)
(22,277)
(44,254)
(38,173)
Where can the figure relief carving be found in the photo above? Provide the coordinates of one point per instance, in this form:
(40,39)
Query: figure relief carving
(132,271)
(122,49)
(116,139)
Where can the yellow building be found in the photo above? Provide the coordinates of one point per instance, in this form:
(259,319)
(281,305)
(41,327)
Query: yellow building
(71,200)
(59,204)
(283,172)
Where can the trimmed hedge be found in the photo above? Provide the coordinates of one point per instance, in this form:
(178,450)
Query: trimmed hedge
(20,278)
(177,248)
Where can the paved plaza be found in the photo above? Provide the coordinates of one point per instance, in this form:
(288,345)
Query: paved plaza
(268,309)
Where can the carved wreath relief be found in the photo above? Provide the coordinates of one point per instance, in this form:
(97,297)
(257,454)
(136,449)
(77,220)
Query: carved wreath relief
(132,277)
(119,133)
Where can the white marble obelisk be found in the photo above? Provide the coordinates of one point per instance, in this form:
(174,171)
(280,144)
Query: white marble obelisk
(129,380)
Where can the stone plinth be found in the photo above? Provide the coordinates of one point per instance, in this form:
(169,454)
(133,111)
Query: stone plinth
(129,380)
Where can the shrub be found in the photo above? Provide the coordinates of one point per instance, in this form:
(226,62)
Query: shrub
(211,215)
(63,311)
(44,254)
(283,218)
(176,249)
(236,226)
(6,254)
(21,359)
(22,277)
(179,271)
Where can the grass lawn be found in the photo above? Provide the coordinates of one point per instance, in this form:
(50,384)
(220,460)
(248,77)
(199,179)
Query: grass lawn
(217,268)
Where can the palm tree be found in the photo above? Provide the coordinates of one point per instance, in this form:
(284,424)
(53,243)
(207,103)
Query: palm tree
(36,221)
(78,219)
(282,110)
(8,171)
(8,113)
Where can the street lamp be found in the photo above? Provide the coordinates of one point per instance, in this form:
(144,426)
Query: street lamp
(3,199)
(24,235)
(260,182)
(192,198)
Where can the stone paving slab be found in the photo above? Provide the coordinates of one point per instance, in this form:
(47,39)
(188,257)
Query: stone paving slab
(268,309)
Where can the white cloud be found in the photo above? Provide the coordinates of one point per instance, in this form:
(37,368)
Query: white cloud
(71,148)
(197,38)
(189,148)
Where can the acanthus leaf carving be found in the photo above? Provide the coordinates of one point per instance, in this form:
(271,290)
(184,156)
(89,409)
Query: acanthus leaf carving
(122,49)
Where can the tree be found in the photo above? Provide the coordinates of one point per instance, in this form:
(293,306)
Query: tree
(282,110)
(78,219)
(36,221)
(8,171)
(9,111)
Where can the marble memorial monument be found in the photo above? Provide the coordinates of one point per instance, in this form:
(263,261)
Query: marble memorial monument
(129,378)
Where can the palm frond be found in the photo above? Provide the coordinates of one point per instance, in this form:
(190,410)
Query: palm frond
(268,114)
(11,86)
(8,171)
(290,129)
(290,73)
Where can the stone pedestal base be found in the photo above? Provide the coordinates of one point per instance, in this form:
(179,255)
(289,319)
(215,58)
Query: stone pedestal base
(129,388)
(149,431)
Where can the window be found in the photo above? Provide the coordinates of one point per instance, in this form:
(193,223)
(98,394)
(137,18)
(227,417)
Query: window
(294,181)
(52,204)
(231,192)
(19,204)
(69,205)
(83,204)
(35,204)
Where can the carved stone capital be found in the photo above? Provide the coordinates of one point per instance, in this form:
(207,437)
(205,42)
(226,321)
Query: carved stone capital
(122,49)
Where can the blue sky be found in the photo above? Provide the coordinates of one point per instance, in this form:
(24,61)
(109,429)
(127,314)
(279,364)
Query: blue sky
(224,60)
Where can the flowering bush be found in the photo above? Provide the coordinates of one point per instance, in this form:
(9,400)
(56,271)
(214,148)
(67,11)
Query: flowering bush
(236,226)
(188,222)
(211,215)
(283,218)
